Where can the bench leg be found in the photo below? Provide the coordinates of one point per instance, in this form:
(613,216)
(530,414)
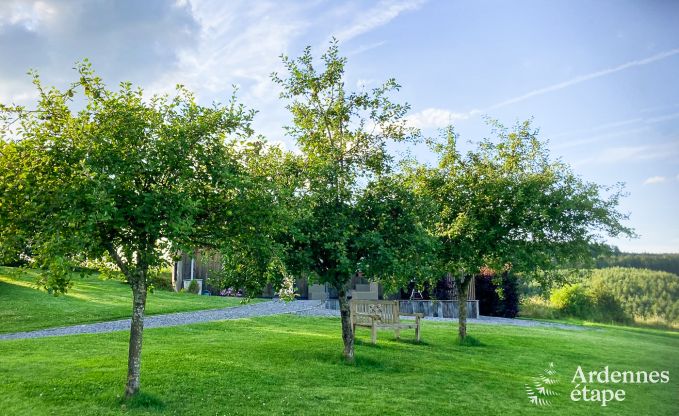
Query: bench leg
(397,332)
(373,334)
(417,331)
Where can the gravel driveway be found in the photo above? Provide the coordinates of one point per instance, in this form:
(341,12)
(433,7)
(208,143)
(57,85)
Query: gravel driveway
(275,307)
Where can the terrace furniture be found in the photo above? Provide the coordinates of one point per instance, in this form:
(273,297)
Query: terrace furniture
(382,314)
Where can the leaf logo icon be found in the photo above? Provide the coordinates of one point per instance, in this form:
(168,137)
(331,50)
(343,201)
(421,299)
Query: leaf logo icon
(539,392)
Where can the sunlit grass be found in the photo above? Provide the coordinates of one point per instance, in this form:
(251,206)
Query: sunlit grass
(292,365)
(91,299)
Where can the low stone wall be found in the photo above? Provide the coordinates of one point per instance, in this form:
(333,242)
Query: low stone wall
(437,308)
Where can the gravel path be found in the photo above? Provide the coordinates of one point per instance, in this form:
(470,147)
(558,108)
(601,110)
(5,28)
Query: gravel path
(174,319)
(276,307)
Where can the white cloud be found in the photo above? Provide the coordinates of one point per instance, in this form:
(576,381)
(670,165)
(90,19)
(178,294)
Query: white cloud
(123,42)
(653,180)
(678,178)
(381,14)
(437,117)
(239,43)
(29,14)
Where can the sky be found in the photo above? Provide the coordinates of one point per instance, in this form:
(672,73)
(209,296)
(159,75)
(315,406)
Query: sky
(600,79)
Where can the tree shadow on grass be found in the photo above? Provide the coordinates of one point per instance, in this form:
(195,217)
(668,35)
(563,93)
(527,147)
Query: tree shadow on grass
(384,344)
(144,401)
(469,341)
(411,341)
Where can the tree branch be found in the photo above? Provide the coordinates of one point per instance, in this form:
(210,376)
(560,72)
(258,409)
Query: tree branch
(116,257)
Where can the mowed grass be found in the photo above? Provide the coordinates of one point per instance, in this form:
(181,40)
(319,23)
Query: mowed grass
(91,299)
(291,365)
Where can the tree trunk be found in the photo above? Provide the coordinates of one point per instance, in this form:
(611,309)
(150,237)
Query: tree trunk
(136,332)
(347,330)
(462,295)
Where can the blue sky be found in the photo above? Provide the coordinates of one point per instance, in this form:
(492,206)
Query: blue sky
(600,78)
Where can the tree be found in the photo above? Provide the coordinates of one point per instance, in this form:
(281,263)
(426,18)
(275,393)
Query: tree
(124,179)
(506,206)
(349,213)
(257,255)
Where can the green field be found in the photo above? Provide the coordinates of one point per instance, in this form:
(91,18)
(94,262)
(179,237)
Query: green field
(291,365)
(91,299)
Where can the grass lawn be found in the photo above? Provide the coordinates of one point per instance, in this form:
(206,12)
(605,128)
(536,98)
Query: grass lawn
(91,299)
(291,365)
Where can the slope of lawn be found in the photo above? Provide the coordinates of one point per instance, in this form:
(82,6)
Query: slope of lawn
(291,365)
(91,299)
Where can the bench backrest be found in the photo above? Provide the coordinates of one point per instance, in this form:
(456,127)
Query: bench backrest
(388,310)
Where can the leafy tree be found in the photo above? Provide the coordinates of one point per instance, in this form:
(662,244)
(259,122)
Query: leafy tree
(257,256)
(124,178)
(351,215)
(506,206)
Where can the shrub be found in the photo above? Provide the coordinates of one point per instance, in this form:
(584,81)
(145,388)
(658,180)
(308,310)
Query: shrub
(537,307)
(606,308)
(160,281)
(194,287)
(572,300)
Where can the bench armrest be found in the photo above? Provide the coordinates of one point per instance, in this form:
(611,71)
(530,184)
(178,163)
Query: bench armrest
(418,315)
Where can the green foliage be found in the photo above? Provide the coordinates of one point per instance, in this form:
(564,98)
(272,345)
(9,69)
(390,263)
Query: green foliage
(537,307)
(612,295)
(505,204)
(606,307)
(257,255)
(572,300)
(160,280)
(125,177)
(351,213)
(194,287)
(642,293)
(661,262)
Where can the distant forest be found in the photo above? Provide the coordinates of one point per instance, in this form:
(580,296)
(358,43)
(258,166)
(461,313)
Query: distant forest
(662,262)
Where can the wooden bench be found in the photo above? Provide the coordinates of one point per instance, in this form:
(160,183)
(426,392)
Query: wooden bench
(382,314)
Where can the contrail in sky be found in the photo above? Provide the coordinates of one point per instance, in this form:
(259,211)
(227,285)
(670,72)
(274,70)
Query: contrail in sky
(587,77)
